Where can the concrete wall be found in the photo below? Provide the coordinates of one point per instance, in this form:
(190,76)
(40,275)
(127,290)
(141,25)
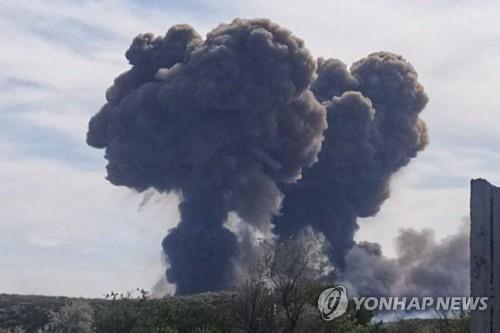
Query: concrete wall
(485,254)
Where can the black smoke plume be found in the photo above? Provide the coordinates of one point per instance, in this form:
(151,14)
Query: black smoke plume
(221,121)
(234,123)
(423,266)
(373,131)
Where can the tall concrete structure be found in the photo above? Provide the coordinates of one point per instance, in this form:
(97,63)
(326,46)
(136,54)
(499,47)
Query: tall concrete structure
(485,254)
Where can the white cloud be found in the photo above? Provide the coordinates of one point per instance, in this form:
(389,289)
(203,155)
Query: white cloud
(73,50)
(58,219)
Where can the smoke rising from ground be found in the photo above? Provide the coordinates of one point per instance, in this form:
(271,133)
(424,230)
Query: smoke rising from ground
(373,131)
(237,123)
(221,121)
(423,266)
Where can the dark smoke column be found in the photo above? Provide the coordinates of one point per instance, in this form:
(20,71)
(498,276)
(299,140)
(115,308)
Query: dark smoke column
(373,131)
(220,121)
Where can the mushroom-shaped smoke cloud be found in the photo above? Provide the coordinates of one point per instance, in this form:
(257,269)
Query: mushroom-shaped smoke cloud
(234,124)
(221,121)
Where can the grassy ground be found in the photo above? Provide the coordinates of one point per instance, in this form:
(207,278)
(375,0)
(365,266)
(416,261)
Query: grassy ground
(201,313)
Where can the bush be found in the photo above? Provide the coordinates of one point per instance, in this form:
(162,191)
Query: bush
(72,317)
(12,330)
(127,314)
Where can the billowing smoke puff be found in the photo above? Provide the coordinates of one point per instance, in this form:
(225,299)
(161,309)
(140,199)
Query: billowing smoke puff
(221,121)
(232,123)
(423,266)
(373,131)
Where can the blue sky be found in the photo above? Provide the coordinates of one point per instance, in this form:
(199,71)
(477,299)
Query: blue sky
(65,230)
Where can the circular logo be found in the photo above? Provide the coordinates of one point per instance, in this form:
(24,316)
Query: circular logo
(333,302)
